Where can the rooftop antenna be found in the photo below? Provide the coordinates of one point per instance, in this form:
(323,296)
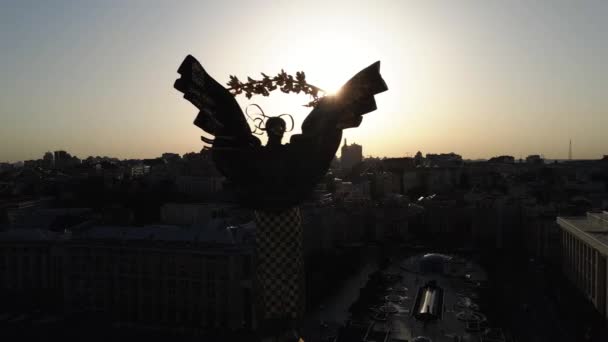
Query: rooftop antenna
(570,150)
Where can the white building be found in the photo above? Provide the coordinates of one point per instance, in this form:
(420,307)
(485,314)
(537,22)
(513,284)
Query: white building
(584,247)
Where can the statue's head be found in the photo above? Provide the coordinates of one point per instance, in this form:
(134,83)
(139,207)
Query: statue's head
(275,128)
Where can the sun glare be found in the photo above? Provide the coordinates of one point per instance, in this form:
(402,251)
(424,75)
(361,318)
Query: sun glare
(330,63)
(331,85)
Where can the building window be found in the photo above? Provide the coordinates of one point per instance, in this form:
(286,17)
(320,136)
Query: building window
(593,274)
(246,269)
(171,287)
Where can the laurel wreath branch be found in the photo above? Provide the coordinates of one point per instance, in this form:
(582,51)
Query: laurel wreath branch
(282,81)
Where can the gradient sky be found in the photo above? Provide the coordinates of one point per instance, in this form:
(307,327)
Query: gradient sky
(480,78)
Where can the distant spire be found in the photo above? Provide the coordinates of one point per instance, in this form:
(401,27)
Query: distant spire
(570,150)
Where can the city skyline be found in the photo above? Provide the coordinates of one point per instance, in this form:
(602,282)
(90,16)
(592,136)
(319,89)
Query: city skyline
(480,79)
(408,154)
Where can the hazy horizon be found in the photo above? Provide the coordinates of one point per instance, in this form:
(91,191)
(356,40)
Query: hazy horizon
(479,78)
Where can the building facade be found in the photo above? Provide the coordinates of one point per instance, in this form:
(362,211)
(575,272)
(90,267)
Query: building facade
(584,247)
(351,155)
(161,277)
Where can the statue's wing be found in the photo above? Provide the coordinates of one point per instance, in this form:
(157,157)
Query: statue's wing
(357,95)
(220,114)
(312,151)
(345,109)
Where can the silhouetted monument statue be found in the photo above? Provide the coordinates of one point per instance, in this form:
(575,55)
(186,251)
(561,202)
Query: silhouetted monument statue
(274,179)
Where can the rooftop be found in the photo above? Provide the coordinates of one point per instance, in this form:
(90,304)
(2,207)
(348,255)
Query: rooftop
(593,227)
(216,232)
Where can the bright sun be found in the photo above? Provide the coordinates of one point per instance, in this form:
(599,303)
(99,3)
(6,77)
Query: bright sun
(332,85)
(330,63)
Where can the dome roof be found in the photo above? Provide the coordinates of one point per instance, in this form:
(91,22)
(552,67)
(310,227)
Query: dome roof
(422,339)
(434,262)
